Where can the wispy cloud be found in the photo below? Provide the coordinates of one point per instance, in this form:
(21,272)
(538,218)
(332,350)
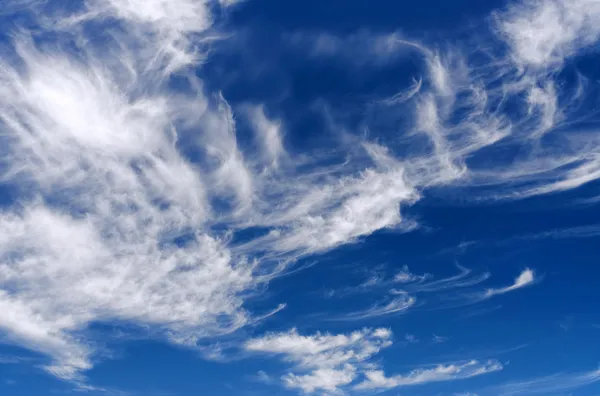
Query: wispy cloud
(396,305)
(264,378)
(590,231)
(269,134)
(526,278)
(561,382)
(453,291)
(377,380)
(363,48)
(411,338)
(464,278)
(436,339)
(405,276)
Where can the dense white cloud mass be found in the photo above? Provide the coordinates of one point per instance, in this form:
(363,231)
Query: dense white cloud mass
(116,221)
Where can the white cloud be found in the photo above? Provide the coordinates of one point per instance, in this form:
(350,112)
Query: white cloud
(544,33)
(168,35)
(463,279)
(322,349)
(231,177)
(319,217)
(399,304)
(323,362)
(325,379)
(377,380)
(269,134)
(189,297)
(405,276)
(526,278)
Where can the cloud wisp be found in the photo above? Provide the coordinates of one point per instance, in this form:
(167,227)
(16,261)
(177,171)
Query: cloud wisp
(461,289)
(561,382)
(525,278)
(399,304)
(377,380)
(360,49)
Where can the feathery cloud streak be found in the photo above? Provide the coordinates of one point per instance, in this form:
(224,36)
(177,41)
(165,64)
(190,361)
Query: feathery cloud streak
(561,382)
(526,278)
(376,379)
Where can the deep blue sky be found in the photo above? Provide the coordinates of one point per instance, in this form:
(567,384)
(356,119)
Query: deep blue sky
(280,169)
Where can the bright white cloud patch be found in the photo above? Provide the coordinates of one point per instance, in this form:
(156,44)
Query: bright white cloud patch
(543,33)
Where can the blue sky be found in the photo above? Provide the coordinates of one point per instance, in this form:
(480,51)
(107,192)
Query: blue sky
(261,197)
